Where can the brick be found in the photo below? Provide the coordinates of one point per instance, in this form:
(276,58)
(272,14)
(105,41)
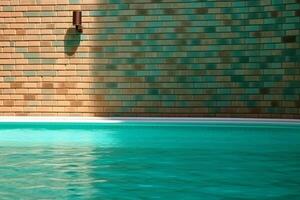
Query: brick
(289,39)
(149,59)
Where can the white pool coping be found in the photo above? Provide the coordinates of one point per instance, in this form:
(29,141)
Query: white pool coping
(141,119)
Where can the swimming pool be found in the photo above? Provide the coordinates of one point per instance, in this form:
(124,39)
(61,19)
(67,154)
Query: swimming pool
(158,159)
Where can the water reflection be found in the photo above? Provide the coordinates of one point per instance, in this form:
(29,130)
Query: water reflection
(43,164)
(54,138)
(44,172)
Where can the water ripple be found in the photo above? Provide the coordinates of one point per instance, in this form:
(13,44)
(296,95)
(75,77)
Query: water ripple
(156,165)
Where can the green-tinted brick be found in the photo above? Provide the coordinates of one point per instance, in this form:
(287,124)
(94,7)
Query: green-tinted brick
(29,73)
(9,79)
(74,1)
(8,8)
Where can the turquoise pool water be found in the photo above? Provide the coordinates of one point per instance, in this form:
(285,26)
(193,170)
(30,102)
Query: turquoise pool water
(207,161)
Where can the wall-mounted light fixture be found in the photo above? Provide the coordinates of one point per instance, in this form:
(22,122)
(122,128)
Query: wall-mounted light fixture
(77,21)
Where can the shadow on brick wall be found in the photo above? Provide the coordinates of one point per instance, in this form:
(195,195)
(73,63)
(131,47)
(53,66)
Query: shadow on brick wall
(193,61)
(71,41)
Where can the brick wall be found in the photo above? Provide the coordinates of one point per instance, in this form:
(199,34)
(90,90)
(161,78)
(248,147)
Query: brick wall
(150,58)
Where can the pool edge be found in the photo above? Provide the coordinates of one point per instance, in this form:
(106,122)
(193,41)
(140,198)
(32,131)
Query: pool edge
(142,119)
